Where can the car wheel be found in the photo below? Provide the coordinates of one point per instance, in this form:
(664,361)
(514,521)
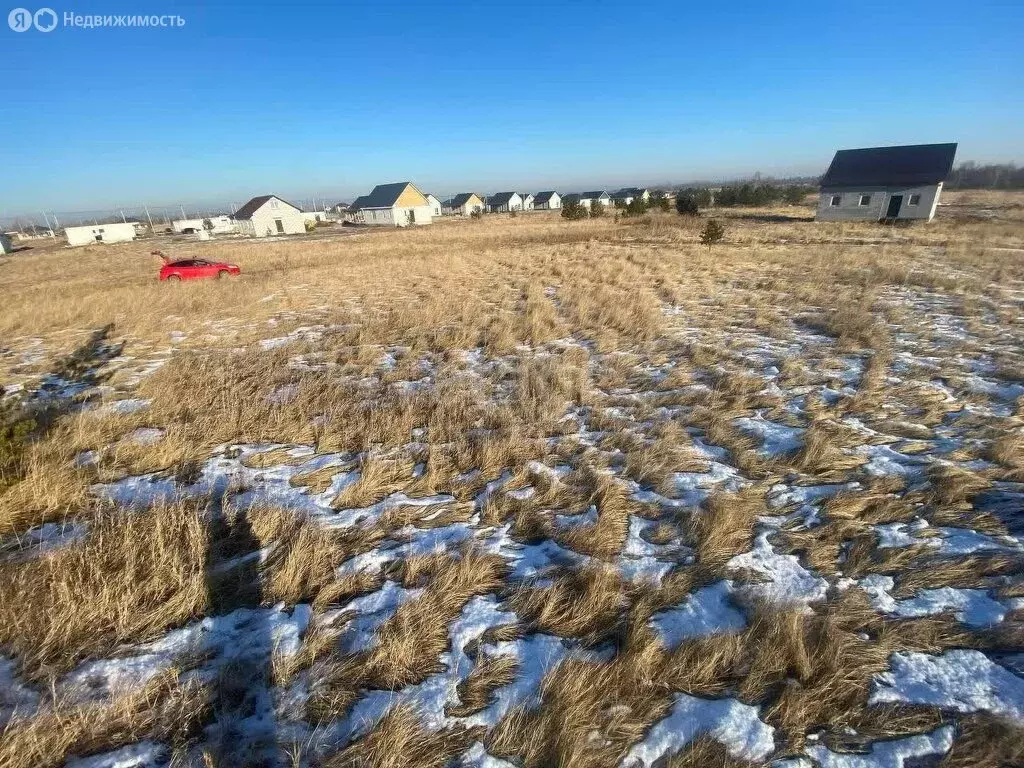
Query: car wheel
(222,274)
(174,278)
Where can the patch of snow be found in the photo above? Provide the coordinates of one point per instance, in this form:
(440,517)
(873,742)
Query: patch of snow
(734,724)
(786,581)
(123,407)
(895,753)
(962,680)
(145,754)
(972,606)
(707,611)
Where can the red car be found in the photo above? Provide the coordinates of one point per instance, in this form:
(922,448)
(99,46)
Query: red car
(193,269)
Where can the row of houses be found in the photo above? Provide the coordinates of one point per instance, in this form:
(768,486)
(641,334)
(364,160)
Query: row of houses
(874,183)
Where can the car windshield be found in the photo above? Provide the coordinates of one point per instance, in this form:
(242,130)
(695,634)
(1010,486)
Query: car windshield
(181,264)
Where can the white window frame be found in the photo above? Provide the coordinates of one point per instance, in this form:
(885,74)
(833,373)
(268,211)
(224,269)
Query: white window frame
(864,200)
(835,201)
(911,201)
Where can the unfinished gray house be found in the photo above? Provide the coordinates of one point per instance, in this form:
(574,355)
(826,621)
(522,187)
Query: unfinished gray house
(885,183)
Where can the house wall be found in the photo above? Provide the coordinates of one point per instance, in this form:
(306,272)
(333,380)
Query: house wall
(379,217)
(111,233)
(292,218)
(6,246)
(411,198)
(473,204)
(556,202)
(515,203)
(849,208)
(528,203)
(435,205)
(424,215)
(222,225)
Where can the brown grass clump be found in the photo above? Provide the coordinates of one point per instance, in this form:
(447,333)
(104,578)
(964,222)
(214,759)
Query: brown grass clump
(955,486)
(985,741)
(724,527)
(586,603)
(476,691)
(134,575)
(410,641)
(399,739)
(822,452)
(590,712)
(705,752)
(379,477)
(604,538)
(163,710)
(967,572)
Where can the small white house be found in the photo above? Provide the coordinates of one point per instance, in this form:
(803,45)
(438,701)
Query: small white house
(399,204)
(503,202)
(435,205)
(101,233)
(528,201)
(589,198)
(269,215)
(222,225)
(464,204)
(547,201)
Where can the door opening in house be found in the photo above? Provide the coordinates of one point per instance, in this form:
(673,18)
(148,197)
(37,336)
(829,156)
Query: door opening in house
(280,226)
(894,206)
(410,216)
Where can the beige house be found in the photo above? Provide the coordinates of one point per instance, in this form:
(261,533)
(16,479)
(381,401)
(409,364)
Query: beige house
(885,183)
(269,215)
(464,204)
(399,204)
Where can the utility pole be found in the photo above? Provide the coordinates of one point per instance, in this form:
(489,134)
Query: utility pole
(123,219)
(182,207)
(55,222)
(148,217)
(47,220)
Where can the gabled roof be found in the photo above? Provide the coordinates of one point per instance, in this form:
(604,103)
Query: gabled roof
(461,199)
(884,166)
(543,197)
(500,198)
(628,192)
(386,195)
(572,197)
(592,195)
(247,210)
(525,195)
(359,203)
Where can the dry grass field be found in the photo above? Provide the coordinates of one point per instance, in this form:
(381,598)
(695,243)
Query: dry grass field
(520,492)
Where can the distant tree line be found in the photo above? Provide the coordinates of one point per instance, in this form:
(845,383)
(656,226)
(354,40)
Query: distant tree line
(971,175)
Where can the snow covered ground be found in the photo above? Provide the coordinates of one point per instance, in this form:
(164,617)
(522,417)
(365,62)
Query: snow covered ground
(937,403)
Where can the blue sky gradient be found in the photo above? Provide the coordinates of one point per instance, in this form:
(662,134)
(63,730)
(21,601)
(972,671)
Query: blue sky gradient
(330,99)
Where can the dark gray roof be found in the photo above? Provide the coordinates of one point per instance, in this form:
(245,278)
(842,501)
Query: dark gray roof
(592,195)
(359,203)
(460,199)
(543,197)
(572,197)
(384,195)
(628,192)
(884,166)
(500,198)
(247,210)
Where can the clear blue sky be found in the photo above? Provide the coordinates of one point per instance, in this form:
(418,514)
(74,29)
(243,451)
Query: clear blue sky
(329,99)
